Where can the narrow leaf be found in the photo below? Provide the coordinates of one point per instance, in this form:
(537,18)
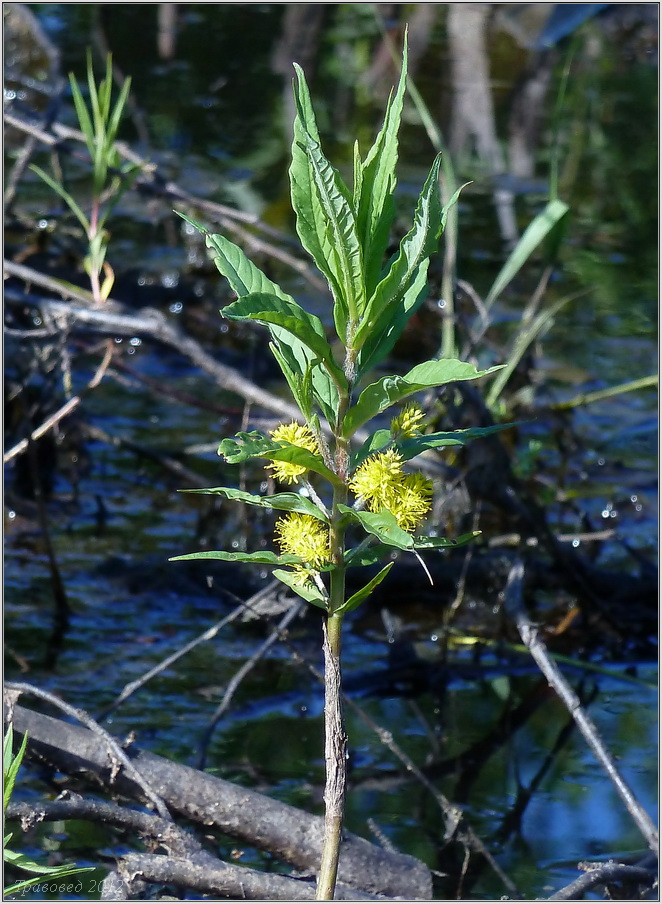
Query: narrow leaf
(445,542)
(536,231)
(291,317)
(309,592)
(382,525)
(412,447)
(385,392)
(357,598)
(394,302)
(288,502)
(373,191)
(257,445)
(262,558)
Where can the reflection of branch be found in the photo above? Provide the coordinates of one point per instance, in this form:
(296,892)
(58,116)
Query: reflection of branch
(514,605)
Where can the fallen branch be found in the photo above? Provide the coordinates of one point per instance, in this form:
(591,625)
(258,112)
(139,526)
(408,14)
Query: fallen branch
(608,874)
(514,606)
(288,833)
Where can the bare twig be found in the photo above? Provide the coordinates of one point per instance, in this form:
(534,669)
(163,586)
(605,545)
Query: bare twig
(118,756)
(239,676)
(529,634)
(606,873)
(208,634)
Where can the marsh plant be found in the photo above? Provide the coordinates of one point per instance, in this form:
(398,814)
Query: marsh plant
(350,499)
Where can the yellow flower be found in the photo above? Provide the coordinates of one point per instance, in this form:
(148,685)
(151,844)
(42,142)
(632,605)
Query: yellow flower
(381,484)
(304,536)
(373,480)
(408,422)
(287,471)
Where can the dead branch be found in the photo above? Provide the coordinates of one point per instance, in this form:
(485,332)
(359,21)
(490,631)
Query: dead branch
(515,607)
(115,753)
(609,874)
(290,834)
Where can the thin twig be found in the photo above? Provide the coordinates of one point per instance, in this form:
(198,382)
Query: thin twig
(239,676)
(514,606)
(116,752)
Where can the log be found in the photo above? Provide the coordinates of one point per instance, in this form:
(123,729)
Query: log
(290,834)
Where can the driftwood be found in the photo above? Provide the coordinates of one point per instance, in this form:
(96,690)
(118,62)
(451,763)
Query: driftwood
(288,833)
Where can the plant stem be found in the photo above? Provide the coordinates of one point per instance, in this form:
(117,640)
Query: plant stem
(335,754)
(335,744)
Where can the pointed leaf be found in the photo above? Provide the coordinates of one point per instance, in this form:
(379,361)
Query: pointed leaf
(324,217)
(382,525)
(403,289)
(412,447)
(291,317)
(373,191)
(445,542)
(357,598)
(385,392)
(309,592)
(257,445)
(266,557)
(288,502)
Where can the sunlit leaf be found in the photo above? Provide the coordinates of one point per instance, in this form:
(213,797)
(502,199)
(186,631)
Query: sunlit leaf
(291,317)
(357,598)
(413,446)
(385,392)
(325,220)
(265,557)
(374,443)
(374,185)
(382,525)
(537,230)
(288,502)
(256,445)
(309,592)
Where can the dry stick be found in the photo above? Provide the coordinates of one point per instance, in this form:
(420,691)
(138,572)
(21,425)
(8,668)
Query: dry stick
(115,750)
(605,873)
(239,676)
(150,181)
(514,606)
(153,323)
(208,634)
(64,410)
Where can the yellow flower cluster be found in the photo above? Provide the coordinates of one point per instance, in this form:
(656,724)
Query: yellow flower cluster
(303,535)
(408,422)
(287,471)
(381,483)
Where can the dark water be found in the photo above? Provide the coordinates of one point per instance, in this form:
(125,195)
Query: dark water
(216,119)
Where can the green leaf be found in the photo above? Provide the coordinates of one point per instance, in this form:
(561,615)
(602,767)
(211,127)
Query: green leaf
(291,317)
(415,248)
(64,194)
(445,542)
(382,525)
(266,557)
(412,447)
(357,598)
(294,357)
(325,220)
(536,231)
(46,872)
(307,591)
(288,502)
(374,185)
(11,763)
(256,445)
(385,392)
(376,441)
